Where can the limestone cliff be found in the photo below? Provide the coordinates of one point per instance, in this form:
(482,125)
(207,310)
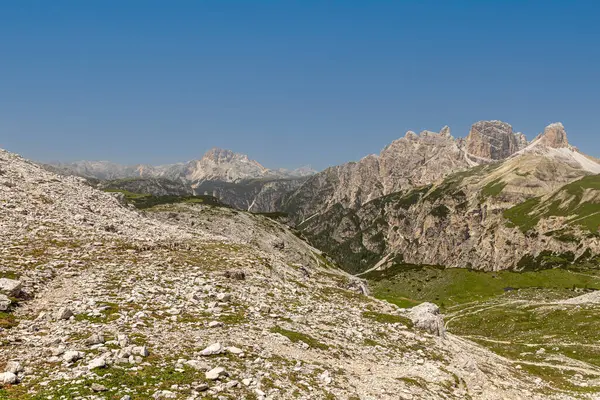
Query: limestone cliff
(465,217)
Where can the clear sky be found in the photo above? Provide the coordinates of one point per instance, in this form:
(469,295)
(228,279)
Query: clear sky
(287,82)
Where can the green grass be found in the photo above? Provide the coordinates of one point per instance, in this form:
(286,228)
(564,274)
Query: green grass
(522,216)
(144,201)
(450,187)
(7,320)
(453,286)
(531,322)
(440,211)
(402,200)
(10,275)
(351,254)
(413,382)
(538,331)
(560,379)
(545,260)
(143,382)
(493,188)
(300,337)
(567,202)
(110,313)
(273,215)
(514,314)
(387,318)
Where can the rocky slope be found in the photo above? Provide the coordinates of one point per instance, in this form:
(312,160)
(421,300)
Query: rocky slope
(407,162)
(464,219)
(255,195)
(189,301)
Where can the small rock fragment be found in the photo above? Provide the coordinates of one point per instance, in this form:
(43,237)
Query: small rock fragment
(224,297)
(14,366)
(216,373)
(239,275)
(72,356)
(234,350)
(99,362)
(213,349)
(96,387)
(197,365)
(140,351)
(8,378)
(123,340)
(64,313)
(10,287)
(96,338)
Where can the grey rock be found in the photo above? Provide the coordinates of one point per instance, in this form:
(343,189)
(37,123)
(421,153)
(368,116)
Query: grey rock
(64,313)
(96,387)
(216,373)
(426,316)
(491,140)
(197,365)
(96,338)
(72,356)
(8,378)
(213,349)
(99,362)
(14,367)
(10,287)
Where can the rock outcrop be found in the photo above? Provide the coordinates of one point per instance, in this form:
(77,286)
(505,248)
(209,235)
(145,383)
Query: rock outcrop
(427,316)
(492,140)
(224,165)
(554,136)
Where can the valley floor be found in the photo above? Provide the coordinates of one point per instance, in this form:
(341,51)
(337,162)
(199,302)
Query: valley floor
(543,322)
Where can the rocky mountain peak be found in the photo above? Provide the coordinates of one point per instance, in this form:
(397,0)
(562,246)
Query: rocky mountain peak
(492,140)
(219,155)
(521,140)
(555,136)
(410,135)
(445,131)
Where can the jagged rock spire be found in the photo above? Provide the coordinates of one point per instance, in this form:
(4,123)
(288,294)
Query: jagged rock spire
(445,131)
(554,136)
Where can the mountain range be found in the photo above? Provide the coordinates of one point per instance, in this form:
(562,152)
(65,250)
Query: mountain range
(427,198)
(434,199)
(216,164)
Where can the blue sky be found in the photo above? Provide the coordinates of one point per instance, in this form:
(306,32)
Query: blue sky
(287,82)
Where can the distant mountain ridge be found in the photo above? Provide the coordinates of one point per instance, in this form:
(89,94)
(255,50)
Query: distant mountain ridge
(419,159)
(426,198)
(216,165)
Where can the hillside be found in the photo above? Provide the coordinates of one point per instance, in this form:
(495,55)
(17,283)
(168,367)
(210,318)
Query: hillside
(503,214)
(150,186)
(190,300)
